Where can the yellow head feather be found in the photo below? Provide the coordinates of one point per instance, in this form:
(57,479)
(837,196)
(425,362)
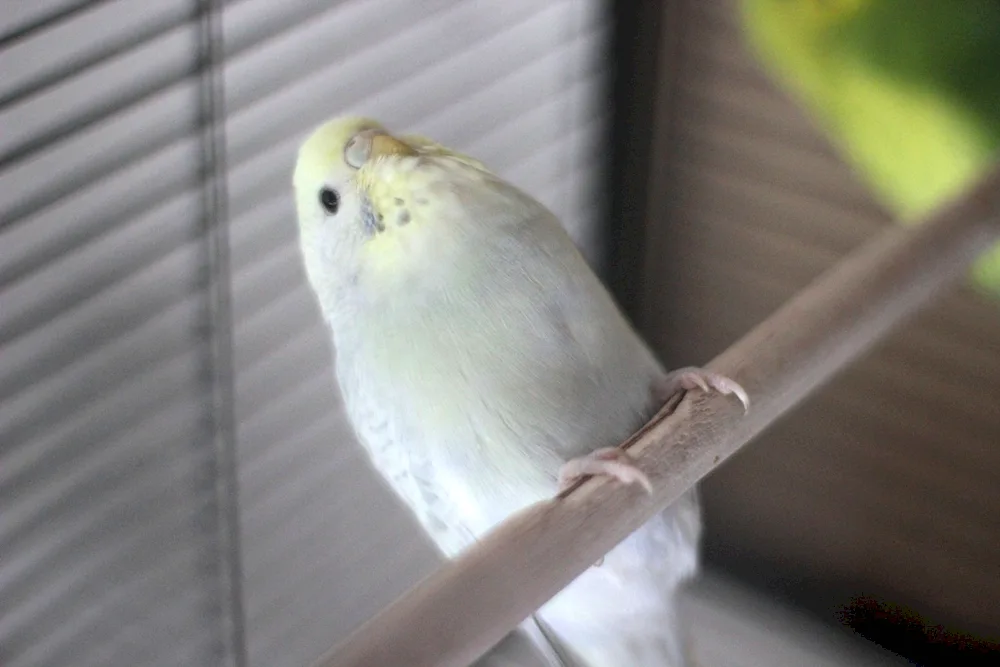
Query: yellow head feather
(395,200)
(323,152)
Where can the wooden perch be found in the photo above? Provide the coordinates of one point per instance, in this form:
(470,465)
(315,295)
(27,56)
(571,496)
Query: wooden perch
(458,613)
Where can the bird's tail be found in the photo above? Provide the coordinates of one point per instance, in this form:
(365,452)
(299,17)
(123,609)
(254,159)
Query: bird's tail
(648,638)
(645,651)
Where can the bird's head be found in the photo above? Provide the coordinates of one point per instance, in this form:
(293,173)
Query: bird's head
(380,213)
(340,214)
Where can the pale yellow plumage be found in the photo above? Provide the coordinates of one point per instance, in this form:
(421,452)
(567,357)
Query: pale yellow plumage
(478,354)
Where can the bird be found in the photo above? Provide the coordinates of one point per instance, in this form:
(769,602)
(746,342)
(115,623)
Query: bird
(485,367)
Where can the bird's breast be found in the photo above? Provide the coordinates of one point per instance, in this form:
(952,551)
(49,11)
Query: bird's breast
(491,400)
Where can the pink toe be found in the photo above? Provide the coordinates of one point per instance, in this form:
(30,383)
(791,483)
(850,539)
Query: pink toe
(610,461)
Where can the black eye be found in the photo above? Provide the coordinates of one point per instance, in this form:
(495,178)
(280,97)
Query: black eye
(330,200)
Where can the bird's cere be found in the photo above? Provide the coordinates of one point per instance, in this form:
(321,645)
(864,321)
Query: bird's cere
(369,144)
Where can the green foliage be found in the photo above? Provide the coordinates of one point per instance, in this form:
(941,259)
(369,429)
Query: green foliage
(908,90)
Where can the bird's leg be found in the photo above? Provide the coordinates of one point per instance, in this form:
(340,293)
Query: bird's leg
(615,462)
(690,378)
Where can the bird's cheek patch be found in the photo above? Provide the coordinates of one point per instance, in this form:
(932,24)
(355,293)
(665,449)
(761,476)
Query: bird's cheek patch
(372,220)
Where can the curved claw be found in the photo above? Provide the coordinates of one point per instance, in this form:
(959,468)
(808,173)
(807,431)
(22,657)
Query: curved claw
(691,378)
(610,461)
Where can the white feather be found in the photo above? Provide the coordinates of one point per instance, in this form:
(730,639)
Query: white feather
(489,356)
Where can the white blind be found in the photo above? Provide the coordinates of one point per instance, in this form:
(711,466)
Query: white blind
(113,529)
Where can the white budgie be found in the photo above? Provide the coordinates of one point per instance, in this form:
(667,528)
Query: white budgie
(483,365)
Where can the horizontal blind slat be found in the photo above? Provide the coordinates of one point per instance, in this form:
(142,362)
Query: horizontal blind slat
(63,51)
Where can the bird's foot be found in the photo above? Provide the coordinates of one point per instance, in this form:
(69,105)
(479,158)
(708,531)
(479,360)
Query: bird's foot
(690,378)
(609,461)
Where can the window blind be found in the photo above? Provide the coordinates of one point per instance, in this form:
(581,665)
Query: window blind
(114,531)
(109,541)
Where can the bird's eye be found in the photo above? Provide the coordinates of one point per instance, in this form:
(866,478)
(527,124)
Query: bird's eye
(330,200)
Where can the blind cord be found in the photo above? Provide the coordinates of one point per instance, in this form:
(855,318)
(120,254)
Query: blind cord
(219,326)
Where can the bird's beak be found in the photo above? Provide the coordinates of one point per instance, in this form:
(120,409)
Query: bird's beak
(369,144)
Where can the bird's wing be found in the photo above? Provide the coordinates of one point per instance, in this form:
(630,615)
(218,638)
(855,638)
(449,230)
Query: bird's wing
(410,477)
